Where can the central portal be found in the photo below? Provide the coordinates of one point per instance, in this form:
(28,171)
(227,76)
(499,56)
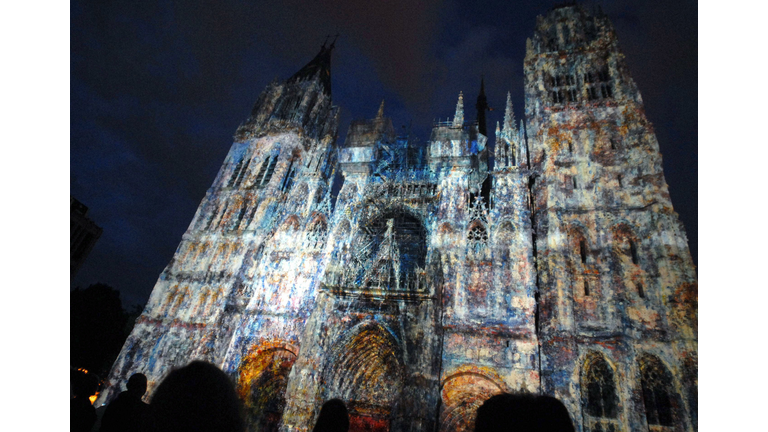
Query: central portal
(364,370)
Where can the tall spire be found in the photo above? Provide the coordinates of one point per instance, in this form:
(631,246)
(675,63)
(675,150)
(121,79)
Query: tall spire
(458,117)
(380,114)
(320,67)
(509,117)
(482,107)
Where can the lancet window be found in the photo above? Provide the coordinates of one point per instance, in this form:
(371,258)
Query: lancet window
(625,245)
(579,247)
(270,171)
(288,180)
(239,172)
(240,216)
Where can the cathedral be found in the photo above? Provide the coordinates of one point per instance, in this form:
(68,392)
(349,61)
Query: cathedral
(440,273)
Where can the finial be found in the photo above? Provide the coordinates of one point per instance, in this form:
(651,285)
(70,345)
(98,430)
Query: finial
(458,117)
(333,44)
(498,129)
(326,41)
(380,114)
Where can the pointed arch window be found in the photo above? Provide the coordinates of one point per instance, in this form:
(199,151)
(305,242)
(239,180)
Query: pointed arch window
(317,233)
(288,180)
(599,396)
(477,237)
(658,396)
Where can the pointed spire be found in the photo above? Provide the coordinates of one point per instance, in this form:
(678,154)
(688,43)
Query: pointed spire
(380,114)
(318,68)
(509,117)
(458,117)
(482,107)
(501,149)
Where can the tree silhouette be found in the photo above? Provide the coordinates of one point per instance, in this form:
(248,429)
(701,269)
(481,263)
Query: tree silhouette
(98,327)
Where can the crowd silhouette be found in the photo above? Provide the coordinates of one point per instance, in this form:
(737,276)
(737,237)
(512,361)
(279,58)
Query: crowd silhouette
(200,397)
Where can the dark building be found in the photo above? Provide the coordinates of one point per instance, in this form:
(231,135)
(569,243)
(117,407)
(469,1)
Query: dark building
(83,234)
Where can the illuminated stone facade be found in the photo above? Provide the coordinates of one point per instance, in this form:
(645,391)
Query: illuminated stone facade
(440,274)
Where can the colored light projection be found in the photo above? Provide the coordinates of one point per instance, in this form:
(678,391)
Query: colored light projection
(443,272)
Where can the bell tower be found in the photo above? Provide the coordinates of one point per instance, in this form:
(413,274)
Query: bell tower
(242,282)
(614,272)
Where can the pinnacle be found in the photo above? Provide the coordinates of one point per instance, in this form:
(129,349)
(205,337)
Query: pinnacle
(380,114)
(458,117)
(509,116)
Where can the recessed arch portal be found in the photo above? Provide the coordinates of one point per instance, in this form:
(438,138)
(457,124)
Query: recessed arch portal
(462,394)
(261,384)
(365,371)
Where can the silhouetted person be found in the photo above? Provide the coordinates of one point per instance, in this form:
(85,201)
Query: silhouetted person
(196,398)
(333,417)
(523,413)
(127,412)
(82,414)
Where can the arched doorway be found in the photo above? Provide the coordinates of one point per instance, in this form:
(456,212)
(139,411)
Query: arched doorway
(262,379)
(365,371)
(462,394)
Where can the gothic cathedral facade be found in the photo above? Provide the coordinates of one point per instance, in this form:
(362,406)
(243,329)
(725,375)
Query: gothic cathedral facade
(442,273)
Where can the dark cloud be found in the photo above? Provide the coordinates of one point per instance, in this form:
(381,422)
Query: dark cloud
(158,89)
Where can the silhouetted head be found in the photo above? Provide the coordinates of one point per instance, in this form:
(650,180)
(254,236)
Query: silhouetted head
(523,413)
(137,384)
(333,417)
(196,398)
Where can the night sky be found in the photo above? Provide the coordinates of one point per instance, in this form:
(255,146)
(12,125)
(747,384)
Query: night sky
(158,88)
